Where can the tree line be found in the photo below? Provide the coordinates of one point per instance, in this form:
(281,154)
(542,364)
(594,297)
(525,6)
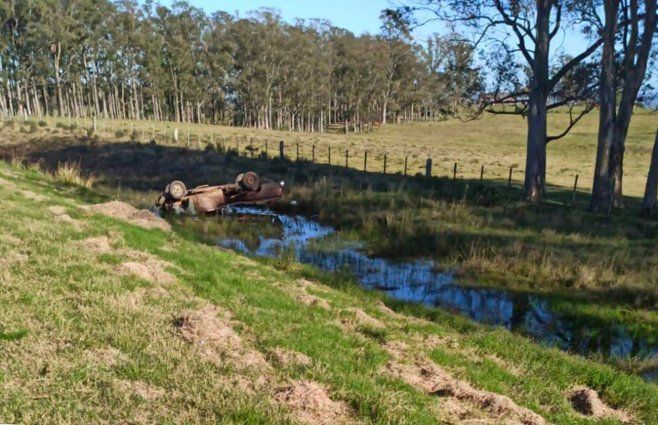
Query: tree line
(128,60)
(533,75)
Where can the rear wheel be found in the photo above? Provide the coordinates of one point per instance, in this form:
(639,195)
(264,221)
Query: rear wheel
(248,181)
(176,190)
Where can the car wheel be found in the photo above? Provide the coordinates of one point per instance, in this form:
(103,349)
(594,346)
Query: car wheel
(248,181)
(176,190)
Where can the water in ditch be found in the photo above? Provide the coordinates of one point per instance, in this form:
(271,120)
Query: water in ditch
(261,232)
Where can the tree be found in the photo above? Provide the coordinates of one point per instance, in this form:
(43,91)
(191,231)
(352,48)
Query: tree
(630,25)
(532,25)
(651,189)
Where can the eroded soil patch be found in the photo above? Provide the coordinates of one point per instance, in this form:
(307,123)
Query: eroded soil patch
(587,402)
(426,376)
(127,212)
(311,404)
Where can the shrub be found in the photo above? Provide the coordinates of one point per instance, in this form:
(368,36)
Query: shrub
(69,172)
(42,123)
(120,133)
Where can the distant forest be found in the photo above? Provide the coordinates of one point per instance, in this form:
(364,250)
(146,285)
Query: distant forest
(123,60)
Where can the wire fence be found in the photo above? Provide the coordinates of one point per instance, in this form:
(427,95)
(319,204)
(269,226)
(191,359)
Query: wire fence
(204,137)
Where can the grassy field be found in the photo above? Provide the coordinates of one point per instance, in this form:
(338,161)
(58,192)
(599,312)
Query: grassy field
(602,269)
(496,142)
(105,321)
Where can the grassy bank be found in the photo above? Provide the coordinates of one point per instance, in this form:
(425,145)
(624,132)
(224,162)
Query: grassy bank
(105,321)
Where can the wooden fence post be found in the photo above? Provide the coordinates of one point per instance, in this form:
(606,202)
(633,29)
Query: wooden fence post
(297,151)
(405,164)
(347,157)
(313,154)
(509,178)
(329,155)
(454,172)
(428,167)
(481,172)
(575,187)
(365,160)
(176,135)
(385,157)
(267,148)
(281,150)
(251,146)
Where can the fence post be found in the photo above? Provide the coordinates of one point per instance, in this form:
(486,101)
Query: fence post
(365,160)
(313,154)
(481,172)
(428,167)
(297,151)
(329,155)
(251,146)
(509,178)
(237,145)
(575,187)
(454,172)
(188,137)
(405,164)
(281,150)
(94,123)
(176,135)
(385,157)
(347,157)
(267,148)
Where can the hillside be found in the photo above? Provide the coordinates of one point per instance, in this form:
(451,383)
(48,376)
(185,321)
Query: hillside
(106,321)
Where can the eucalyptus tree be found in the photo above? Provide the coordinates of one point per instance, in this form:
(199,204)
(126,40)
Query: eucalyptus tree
(628,29)
(527,30)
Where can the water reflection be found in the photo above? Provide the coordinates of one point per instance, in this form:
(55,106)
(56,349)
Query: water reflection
(421,282)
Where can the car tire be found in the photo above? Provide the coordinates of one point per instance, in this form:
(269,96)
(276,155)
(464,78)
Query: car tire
(176,190)
(248,181)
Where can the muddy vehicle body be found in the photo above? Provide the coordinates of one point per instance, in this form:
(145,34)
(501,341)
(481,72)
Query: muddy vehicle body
(205,199)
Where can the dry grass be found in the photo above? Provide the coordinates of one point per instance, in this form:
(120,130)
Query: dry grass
(495,142)
(70,173)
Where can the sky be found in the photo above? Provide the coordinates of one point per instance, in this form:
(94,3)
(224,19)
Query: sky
(357,16)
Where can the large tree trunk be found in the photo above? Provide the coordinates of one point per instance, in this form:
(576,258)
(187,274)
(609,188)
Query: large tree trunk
(651,189)
(635,65)
(535,169)
(603,182)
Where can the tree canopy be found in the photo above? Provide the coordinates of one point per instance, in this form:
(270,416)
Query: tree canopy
(123,59)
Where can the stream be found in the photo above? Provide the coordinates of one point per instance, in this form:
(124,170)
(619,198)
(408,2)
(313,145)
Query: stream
(261,232)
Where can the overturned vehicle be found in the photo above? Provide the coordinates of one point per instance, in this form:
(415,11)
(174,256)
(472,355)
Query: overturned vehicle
(206,199)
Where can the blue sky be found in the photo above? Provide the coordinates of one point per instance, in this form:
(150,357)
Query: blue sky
(358,16)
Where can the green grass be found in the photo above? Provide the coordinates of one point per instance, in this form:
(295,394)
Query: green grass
(70,304)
